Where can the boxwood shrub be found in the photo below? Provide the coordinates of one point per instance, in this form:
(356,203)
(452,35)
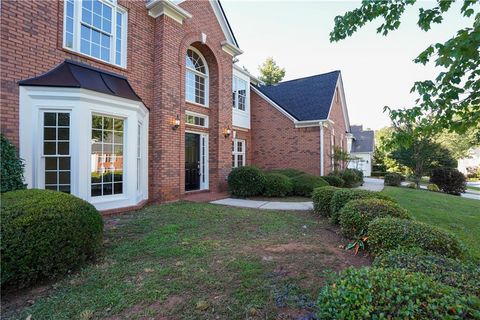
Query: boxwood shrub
(351,177)
(277,185)
(377,293)
(357,214)
(334,180)
(45,234)
(246,181)
(449,180)
(304,184)
(393,179)
(433,187)
(288,172)
(11,167)
(343,196)
(461,275)
(391,233)
(322,198)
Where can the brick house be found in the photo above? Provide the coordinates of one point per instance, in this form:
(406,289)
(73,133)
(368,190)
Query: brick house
(123,102)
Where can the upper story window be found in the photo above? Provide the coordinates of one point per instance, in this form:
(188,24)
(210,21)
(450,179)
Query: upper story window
(239,93)
(196,83)
(97,28)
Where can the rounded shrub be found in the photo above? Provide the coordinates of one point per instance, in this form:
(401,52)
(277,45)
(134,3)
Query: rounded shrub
(288,172)
(246,181)
(351,177)
(357,214)
(277,185)
(377,293)
(322,198)
(343,196)
(334,180)
(433,187)
(391,233)
(461,275)
(304,184)
(449,180)
(11,167)
(393,179)
(412,185)
(45,234)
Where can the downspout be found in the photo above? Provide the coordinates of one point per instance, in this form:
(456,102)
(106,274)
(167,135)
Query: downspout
(321,149)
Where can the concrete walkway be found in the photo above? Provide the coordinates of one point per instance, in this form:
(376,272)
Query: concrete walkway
(372,184)
(272,205)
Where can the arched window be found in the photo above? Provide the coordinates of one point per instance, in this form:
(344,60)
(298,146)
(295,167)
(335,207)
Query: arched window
(196,83)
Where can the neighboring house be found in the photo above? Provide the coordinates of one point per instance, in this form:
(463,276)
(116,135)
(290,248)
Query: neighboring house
(469,163)
(361,149)
(122,102)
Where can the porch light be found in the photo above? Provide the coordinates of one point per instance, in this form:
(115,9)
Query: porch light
(227,131)
(176,123)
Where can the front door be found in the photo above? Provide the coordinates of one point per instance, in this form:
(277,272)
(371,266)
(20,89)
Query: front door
(192,161)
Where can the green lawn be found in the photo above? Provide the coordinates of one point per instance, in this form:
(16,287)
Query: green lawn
(197,261)
(473,188)
(458,215)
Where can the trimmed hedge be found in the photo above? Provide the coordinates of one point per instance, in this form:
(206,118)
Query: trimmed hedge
(391,233)
(449,180)
(45,234)
(288,172)
(334,180)
(11,167)
(463,276)
(277,185)
(246,181)
(343,196)
(357,214)
(376,293)
(433,187)
(322,198)
(304,184)
(393,179)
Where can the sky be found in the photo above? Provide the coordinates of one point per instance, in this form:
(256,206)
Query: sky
(377,71)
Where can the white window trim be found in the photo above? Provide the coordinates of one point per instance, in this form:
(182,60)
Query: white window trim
(199,115)
(77,16)
(205,76)
(204,161)
(235,152)
(235,81)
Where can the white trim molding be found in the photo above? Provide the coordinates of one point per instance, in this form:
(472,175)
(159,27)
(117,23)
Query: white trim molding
(157,8)
(339,87)
(231,49)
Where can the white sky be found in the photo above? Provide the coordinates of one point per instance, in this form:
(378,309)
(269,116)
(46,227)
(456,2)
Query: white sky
(376,70)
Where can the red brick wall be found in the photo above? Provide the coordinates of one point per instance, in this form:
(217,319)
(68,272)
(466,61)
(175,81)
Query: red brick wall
(246,135)
(276,143)
(337,130)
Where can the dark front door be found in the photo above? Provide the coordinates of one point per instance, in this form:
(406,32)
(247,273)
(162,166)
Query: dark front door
(192,161)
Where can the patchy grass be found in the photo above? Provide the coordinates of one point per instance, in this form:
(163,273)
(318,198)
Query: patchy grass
(473,188)
(458,215)
(197,261)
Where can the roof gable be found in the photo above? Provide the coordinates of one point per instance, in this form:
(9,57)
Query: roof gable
(364,141)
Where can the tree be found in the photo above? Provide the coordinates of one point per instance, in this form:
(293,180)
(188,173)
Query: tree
(452,99)
(270,72)
(459,145)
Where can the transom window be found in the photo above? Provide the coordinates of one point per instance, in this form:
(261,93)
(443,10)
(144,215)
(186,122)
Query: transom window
(196,82)
(107,156)
(196,120)
(238,153)
(96,28)
(56,150)
(239,93)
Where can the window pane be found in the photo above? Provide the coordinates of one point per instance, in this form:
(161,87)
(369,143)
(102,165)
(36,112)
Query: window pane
(49,148)
(64,177)
(49,134)
(96,190)
(64,163)
(63,133)
(50,163)
(63,148)
(50,119)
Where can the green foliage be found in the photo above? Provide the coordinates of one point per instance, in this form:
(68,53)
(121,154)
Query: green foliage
(433,187)
(11,167)
(277,185)
(246,181)
(357,214)
(459,145)
(376,293)
(334,180)
(343,196)
(45,234)
(288,172)
(351,177)
(449,180)
(457,274)
(393,179)
(270,72)
(322,198)
(412,185)
(304,184)
(391,233)
(452,99)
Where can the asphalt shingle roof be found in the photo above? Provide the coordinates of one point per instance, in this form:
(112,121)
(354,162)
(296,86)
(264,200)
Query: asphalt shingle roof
(363,140)
(306,98)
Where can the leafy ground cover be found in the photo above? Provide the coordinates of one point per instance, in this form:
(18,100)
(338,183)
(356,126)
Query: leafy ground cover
(196,261)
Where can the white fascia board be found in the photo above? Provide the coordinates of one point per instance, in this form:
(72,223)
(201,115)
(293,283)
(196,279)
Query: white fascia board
(343,102)
(222,20)
(231,49)
(158,7)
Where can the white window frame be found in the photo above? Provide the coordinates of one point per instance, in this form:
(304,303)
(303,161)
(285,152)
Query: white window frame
(198,115)
(205,76)
(77,22)
(236,153)
(235,81)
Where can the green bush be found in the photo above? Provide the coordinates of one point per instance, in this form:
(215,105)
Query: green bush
(277,185)
(376,293)
(288,172)
(449,180)
(412,185)
(359,174)
(304,184)
(357,214)
(457,274)
(11,167)
(343,196)
(433,187)
(246,181)
(393,179)
(334,180)
(378,173)
(45,234)
(321,199)
(391,233)
(351,177)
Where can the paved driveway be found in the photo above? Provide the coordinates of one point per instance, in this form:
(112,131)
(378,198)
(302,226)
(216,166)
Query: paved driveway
(372,184)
